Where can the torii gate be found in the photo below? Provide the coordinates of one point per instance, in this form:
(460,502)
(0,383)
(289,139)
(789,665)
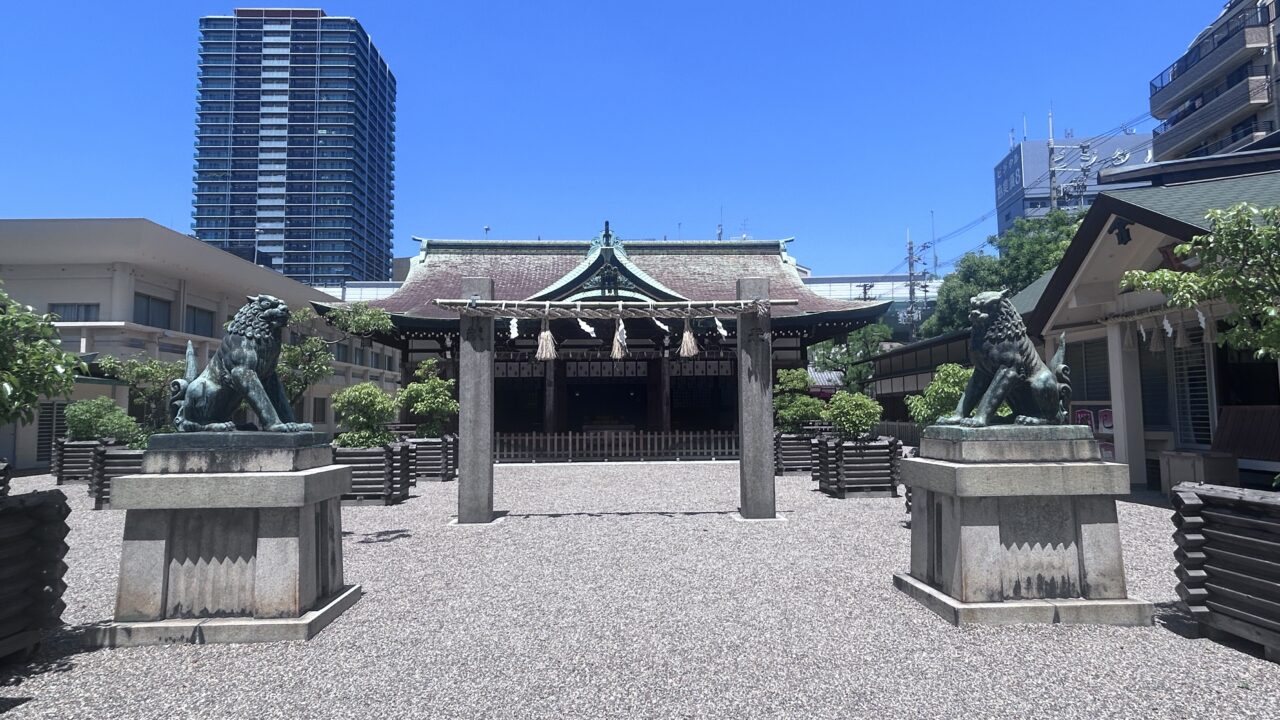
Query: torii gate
(477,312)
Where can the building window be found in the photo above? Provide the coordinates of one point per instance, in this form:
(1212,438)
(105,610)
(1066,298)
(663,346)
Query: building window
(319,410)
(359,356)
(391,363)
(1153,371)
(342,352)
(199,321)
(152,311)
(1090,370)
(1191,386)
(74,312)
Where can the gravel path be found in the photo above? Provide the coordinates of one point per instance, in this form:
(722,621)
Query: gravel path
(625,590)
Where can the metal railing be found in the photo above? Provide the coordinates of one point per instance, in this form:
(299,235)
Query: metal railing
(1193,106)
(1264,126)
(1249,17)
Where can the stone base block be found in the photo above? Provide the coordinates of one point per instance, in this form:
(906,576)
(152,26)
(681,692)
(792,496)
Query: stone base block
(202,631)
(1063,611)
(737,516)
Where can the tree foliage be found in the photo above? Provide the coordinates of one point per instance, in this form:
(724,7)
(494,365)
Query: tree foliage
(32,362)
(1026,251)
(851,358)
(306,363)
(100,419)
(430,397)
(942,395)
(853,415)
(149,380)
(365,410)
(1239,262)
(793,406)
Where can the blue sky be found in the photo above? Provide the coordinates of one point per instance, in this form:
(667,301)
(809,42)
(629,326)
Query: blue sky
(839,123)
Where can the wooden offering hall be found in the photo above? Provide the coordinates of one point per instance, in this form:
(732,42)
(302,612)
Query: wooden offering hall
(586,370)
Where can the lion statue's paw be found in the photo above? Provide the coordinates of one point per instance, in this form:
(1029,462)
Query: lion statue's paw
(291,427)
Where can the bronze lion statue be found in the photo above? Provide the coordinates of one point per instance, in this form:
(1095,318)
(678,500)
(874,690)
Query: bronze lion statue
(243,368)
(1007,368)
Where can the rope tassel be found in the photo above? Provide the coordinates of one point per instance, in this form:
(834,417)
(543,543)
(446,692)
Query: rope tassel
(546,343)
(619,341)
(688,345)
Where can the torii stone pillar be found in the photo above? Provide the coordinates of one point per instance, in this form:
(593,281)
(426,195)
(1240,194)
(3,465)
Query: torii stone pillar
(755,405)
(475,408)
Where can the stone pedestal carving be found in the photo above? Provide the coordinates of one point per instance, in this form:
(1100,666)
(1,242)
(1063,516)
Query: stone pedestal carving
(230,537)
(1017,524)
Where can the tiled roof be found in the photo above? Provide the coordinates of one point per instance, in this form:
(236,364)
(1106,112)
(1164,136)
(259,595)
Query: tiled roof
(698,270)
(1190,202)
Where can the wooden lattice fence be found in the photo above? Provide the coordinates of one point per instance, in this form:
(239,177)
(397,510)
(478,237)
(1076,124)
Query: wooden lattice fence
(1229,561)
(860,468)
(110,462)
(72,460)
(378,475)
(33,528)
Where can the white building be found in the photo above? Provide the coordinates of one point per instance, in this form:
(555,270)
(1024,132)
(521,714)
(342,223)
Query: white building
(128,287)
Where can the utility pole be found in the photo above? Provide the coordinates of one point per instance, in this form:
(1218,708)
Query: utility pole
(866,290)
(1053,173)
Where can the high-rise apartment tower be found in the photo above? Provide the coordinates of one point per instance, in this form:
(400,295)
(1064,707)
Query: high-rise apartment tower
(295,144)
(1220,96)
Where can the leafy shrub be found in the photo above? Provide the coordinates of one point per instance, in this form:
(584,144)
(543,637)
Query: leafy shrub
(793,412)
(365,409)
(101,418)
(793,406)
(941,396)
(853,414)
(430,397)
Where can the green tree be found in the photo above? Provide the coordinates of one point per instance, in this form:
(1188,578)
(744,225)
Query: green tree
(1026,251)
(793,406)
(852,357)
(1238,262)
(853,415)
(101,418)
(942,395)
(32,362)
(305,363)
(365,410)
(149,381)
(430,397)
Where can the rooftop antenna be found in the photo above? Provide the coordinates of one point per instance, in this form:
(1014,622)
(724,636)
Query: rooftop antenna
(486,232)
(1024,127)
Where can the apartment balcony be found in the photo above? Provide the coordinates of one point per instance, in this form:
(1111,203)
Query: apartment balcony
(1244,35)
(1224,110)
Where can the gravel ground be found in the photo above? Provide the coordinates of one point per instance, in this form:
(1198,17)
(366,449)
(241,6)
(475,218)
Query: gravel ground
(625,590)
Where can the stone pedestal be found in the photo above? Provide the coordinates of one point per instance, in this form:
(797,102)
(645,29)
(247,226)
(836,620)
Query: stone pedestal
(230,537)
(1017,524)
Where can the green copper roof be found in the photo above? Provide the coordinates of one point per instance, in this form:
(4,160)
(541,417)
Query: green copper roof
(1190,202)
